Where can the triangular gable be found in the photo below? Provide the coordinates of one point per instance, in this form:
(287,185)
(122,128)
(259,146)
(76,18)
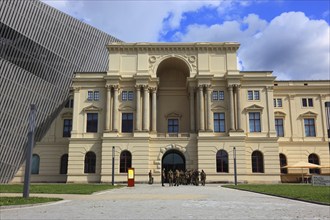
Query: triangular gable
(173,115)
(279,114)
(254,108)
(309,114)
(91,108)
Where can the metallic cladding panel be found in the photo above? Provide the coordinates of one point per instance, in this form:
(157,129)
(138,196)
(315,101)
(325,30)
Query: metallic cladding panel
(40,49)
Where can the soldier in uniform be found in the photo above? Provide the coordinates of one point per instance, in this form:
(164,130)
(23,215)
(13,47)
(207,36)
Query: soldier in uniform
(170,178)
(203,177)
(163,176)
(150,178)
(177,177)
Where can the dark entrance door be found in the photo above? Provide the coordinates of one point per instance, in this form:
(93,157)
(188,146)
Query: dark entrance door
(173,160)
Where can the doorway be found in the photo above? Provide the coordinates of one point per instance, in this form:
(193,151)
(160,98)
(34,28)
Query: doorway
(173,160)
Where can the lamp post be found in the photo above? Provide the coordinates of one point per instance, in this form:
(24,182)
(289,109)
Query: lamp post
(113,165)
(27,175)
(235,168)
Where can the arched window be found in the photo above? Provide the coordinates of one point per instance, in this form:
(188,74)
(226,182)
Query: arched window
(257,162)
(313,158)
(222,161)
(283,163)
(35,164)
(90,162)
(64,164)
(125,161)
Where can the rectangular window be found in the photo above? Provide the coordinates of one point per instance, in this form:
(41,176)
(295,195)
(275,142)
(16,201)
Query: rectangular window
(279,127)
(221,95)
(307,102)
(69,103)
(127,123)
(309,127)
(90,96)
(124,96)
(250,95)
(96,95)
(215,95)
(256,95)
(67,127)
(92,122)
(253,95)
(278,102)
(173,125)
(254,121)
(130,95)
(219,122)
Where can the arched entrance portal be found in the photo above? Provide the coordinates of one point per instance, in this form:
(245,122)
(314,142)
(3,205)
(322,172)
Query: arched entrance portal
(173,160)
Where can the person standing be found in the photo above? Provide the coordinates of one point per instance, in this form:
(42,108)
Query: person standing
(163,176)
(203,177)
(150,178)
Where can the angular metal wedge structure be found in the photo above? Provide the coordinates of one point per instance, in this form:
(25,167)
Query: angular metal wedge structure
(40,49)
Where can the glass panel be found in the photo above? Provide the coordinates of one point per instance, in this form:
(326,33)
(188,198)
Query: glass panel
(221,95)
(310,102)
(92,122)
(130,95)
(124,96)
(304,102)
(256,95)
(250,95)
(215,95)
(96,95)
(90,96)
(35,164)
(279,102)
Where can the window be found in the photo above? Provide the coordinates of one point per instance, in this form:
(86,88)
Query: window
(254,121)
(92,121)
(127,122)
(90,162)
(283,163)
(219,122)
(309,127)
(173,125)
(222,161)
(93,95)
(307,102)
(96,95)
(125,161)
(67,127)
(279,127)
(127,95)
(313,158)
(257,162)
(69,103)
(90,96)
(130,95)
(64,164)
(253,95)
(278,102)
(218,95)
(35,164)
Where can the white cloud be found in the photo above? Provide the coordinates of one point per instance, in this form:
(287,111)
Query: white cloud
(292,45)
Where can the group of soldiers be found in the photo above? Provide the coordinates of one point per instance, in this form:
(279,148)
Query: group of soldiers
(188,177)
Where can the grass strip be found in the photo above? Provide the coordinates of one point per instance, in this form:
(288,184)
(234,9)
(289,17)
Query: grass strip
(309,193)
(6,201)
(57,188)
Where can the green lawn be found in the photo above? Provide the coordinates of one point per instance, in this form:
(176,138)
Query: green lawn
(320,194)
(5,201)
(57,188)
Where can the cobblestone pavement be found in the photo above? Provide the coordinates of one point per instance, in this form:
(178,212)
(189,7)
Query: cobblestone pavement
(183,202)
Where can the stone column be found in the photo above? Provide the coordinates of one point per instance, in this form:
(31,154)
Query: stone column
(138,108)
(192,110)
(154,110)
(76,110)
(145,108)
(209,112)
(201,109)
(108,111)
(115,108)
(270,110)
(238,104)
(231,108)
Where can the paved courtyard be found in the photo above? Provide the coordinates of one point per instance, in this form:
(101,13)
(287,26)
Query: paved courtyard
(183,202)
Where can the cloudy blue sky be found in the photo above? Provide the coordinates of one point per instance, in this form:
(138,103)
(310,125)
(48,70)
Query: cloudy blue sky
(290,37)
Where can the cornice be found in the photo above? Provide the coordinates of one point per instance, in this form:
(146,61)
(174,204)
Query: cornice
(210,46)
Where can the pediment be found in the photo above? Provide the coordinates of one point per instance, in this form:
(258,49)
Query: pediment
(254,108)
(218,108)
(279,114)
(173,115)
(67,115)
(92,108)
(127,109)
(308,114)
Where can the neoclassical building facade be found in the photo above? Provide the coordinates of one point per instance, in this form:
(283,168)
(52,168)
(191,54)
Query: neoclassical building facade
(184,106)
